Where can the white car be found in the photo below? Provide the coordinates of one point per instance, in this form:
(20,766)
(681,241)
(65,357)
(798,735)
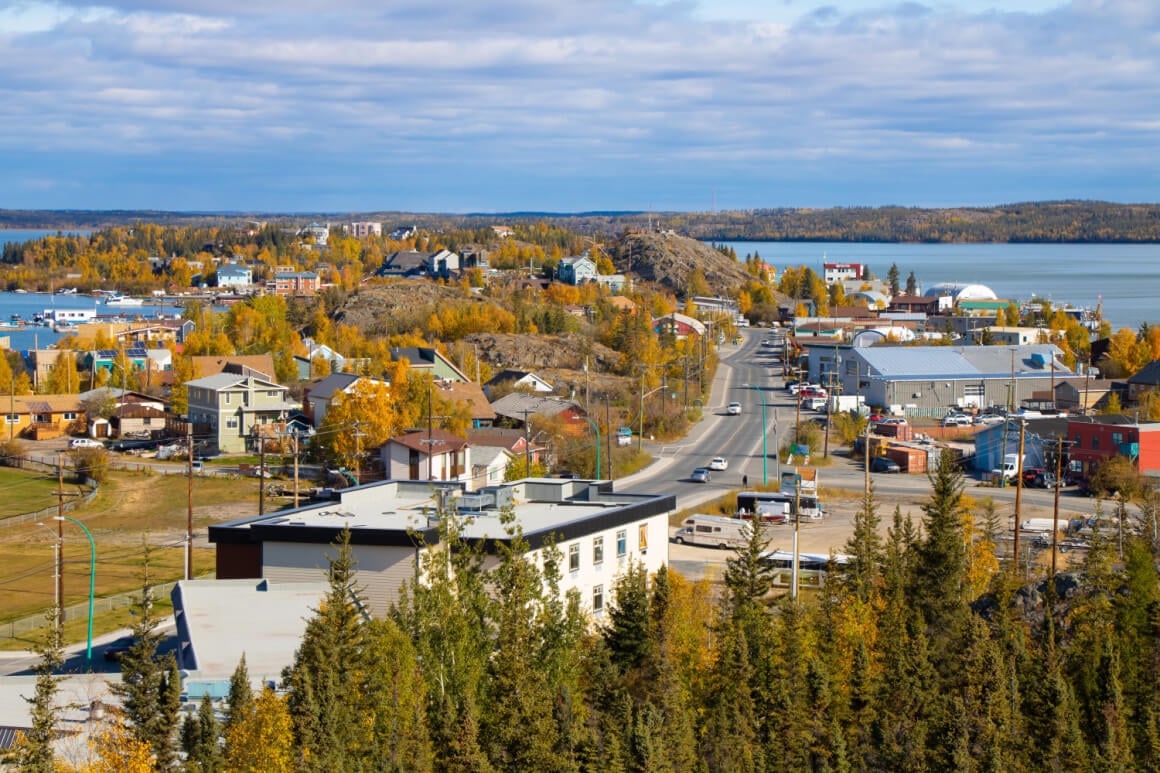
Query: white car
(84,442)
(718,463)
(956,420)
(733,409)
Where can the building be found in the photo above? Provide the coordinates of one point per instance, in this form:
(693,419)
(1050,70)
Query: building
(1145,380)
(317,397)
(1040,441)
(317,232)
(129,360)
(599,531)
(297,283)
(260,365)
(429,360)
(489,466)
(234,275)
(1014,336)
(468,394)
(233,406)
(433,454)
(840,272)
(961,292)
(518,407)
(404,232)
(43,417)
(1094,439)
(519,379)
(576,270)
(363,229)
(915,304)
(929,380)
(679,325)
(515,441)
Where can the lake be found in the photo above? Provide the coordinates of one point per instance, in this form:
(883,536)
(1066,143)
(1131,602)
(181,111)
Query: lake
(1126,277)
(27,304)
(14,235)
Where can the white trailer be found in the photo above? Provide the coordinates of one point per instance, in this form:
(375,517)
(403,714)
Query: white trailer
(714,531)
(1041,525)
(843,403)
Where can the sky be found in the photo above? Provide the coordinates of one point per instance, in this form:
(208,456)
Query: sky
(575,105)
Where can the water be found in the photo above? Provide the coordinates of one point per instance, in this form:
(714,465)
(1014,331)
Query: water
(27,304)
(14,235)
(1126,277)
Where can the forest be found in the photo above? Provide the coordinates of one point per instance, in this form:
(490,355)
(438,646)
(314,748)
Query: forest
(925,654)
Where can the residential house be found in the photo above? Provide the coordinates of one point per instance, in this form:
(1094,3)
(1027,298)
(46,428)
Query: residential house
(442,264)
(260,365)
(129,360)
(1145,380)
(576,270)
(1084,394)
(518,379)
(601,533)
(929,380)
(1097,438)
(139,421)
(469,394)
(489,466)
(231,406)
(839,272)
(236,275)
(914,304)
(679,325)
(614,282)
(363,229)
(42,417)
(404,232)
(317,397)
(517,408)
(316,231)
(433,454)
(502,231)
(297,283)
(405,263)
(429,360)
(1003,334)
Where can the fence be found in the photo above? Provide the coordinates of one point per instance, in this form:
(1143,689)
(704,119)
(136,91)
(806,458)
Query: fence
(17,629)
(27,463)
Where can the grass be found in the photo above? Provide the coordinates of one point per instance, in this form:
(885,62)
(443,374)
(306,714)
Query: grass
(23,491)
(77,630)
(130,511)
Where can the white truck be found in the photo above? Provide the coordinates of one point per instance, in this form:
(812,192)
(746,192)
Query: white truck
(1012,468)
(715,531)
(1041,525)
(843,403)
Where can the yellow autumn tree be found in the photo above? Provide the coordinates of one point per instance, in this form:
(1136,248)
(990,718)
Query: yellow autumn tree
(115,750)
(357,421)
(262,741)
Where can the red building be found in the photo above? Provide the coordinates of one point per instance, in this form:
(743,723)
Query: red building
(1096,438)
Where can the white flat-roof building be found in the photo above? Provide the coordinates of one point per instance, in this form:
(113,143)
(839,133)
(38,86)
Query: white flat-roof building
(599,532)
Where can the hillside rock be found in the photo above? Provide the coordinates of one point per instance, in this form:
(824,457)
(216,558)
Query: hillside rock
(519,351)
(398,305)
(668,260)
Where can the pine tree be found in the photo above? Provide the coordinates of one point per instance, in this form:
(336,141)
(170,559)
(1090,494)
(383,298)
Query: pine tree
(729,740)
(201,740)
(241,696)
(35,751)
(748,576)
(911,284)
(892,277)
(941,558)
(629,633)
(864,547)
(396,698)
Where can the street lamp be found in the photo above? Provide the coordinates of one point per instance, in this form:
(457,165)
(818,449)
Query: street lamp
(92,580)
(595,429)
(764,448)
(56,562)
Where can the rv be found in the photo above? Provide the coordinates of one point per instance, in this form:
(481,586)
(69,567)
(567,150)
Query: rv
(772,503)
(713,531)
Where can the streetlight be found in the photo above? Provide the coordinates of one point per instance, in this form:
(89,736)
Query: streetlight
(92,580)
(595,429)
(764,449)
(55,572)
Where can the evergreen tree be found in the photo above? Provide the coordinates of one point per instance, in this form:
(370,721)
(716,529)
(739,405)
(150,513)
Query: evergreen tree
(864,547)
(941,558)
(748,577)
(201,740)
(892,277)
(911,284)
(240,700)
(729,740)
(150,686)
(396,697)
(629,633)
(35,753)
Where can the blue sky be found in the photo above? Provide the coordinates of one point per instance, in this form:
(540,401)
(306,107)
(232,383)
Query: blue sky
(569,105)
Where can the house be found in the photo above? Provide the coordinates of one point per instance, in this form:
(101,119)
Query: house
(403,232)
(317,232)
(405,263)
(442,263)
(928,380)
(234,275)
(576,270)
(260,365)
(489,466)
(519,379)
(1097,438)
(433,454)
(317,397)
(363,229)
(679,325)
(600,532)
(231,406)
(139,421)
(297,283)
(43,417)
(429,360)
(1002,334)
(1145,380)
(515,441)
(914,304)
(129,360)
(502,231)
(117,398)
(1084,394)
(518,407)
(470,394)
(840,272)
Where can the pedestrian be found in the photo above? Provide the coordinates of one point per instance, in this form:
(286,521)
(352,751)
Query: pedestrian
(744,481)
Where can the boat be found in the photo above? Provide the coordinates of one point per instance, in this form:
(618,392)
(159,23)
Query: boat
(123,300)
(67,291)
(65,327)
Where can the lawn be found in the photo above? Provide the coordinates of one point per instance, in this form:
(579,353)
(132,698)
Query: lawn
(130,511)
(24,491)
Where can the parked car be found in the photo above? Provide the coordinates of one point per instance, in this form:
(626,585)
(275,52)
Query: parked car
(1043,480)
(701,475)
(1029,474)
(956,420)
(990,418)
(84,442)
(812,391)
(894,420)
(792,385)
(882,464)
(718,463)
(119,648)
(733,409)
(877,418)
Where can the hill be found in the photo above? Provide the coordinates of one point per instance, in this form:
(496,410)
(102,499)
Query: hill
(670,260)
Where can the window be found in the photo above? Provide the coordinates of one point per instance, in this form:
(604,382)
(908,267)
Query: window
(1095,442)
(229,398)
(70,416)
(622,543)
(13,418)
(272,394)
(231,423)
(1117,438)
(574,557)
(598,550)
(597,598)
(643,532)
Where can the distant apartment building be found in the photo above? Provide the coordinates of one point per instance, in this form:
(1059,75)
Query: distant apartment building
(361,230)
(839,272)
(296,283)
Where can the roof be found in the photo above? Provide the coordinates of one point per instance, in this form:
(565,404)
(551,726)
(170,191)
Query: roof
(1149,375)
(959,291)
(518,405)
(325,388)
(497,437)
(405,260)
(468,392)
(435,442)
(46,404)
(226,380)
(682,319)
(296,275)
(258,364)
(423,357)
(918,362)
(485,456)
(234,269)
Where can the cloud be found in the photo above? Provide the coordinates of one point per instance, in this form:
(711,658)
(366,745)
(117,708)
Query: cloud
(632,99)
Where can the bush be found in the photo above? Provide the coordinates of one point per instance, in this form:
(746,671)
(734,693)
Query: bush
(91,463)
(11,453)
(1117,473)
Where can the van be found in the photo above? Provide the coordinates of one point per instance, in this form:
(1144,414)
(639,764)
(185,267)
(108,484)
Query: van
(713,531)
(814,403)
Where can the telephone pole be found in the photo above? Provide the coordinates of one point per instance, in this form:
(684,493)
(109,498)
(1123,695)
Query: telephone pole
(1019,491)
(189,502)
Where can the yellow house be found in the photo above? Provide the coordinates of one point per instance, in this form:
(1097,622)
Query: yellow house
(40,417)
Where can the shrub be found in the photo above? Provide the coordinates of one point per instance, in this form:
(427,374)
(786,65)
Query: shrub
(91,463)
(11,452)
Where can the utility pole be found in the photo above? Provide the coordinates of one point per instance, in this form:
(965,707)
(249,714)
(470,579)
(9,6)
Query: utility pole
(295,438)
(261,474)
(189,502)
(1055,512)
(60,543)
(527,447)
(640,429)
(797,519)
(608,424)
(1019,491)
